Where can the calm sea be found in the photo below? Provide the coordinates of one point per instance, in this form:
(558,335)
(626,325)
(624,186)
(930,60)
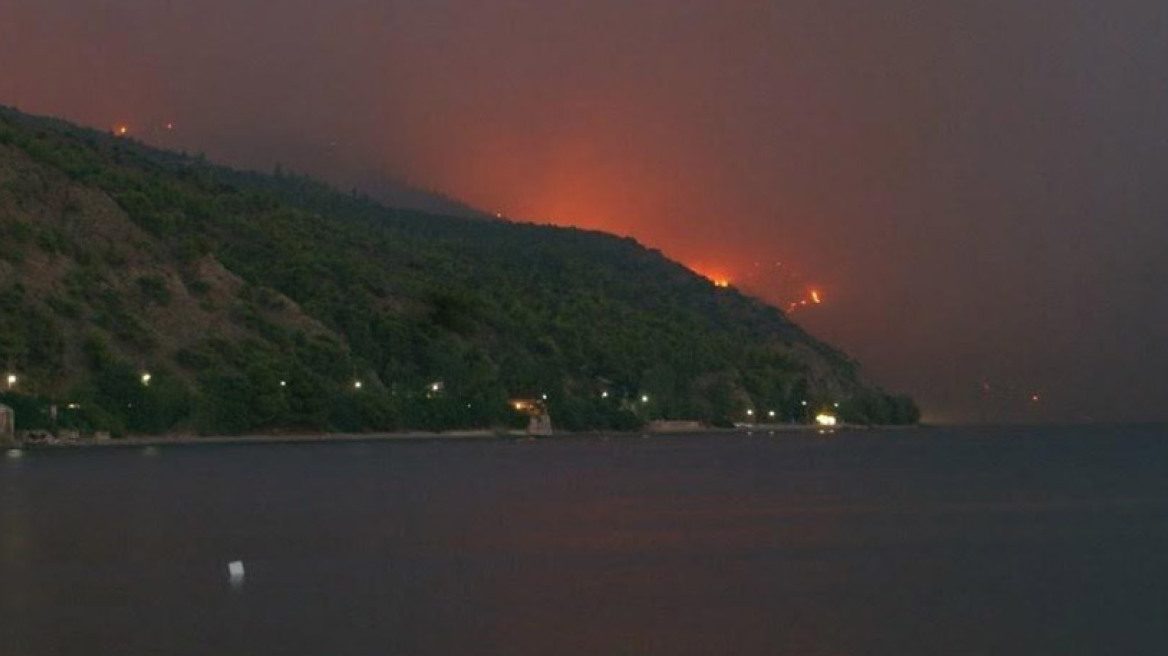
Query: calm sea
(939,541)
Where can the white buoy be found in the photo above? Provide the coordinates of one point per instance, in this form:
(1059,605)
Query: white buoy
(235,573)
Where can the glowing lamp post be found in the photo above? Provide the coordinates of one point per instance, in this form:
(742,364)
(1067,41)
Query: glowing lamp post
(12,380)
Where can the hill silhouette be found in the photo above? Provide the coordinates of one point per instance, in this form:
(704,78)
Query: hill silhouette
(274,302)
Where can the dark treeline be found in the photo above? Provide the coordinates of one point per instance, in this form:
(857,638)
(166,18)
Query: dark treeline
(341,314)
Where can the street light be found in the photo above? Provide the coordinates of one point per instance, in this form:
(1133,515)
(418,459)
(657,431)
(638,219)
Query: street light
(356,384)
(644,398)
(146,379)
(11,380)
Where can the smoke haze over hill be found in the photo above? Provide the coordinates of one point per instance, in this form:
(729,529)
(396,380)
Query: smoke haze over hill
(976,188)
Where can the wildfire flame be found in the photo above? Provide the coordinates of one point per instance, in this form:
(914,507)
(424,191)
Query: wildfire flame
(813,298)
(789,290)
(718,279)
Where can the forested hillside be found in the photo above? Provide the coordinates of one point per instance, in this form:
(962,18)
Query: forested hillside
(258,302)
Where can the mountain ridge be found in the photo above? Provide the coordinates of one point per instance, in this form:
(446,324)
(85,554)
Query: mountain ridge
(260,302)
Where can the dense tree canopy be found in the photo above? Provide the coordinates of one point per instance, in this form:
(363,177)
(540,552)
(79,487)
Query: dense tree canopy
(348,315)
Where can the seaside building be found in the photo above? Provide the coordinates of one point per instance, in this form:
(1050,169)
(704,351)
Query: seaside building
(7,426)
(539,420)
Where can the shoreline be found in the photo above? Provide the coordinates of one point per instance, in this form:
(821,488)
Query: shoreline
(481,435)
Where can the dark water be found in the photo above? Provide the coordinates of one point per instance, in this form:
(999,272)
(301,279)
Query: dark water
(1005,541)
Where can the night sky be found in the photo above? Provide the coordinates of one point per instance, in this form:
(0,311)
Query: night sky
(978,190)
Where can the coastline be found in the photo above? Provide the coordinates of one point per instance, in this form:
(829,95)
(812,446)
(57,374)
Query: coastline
(481,435)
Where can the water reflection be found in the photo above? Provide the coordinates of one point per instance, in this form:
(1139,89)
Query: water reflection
(898,544)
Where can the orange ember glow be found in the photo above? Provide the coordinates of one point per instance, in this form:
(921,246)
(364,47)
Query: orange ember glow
(718,279)
(813,298)
(121,130)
